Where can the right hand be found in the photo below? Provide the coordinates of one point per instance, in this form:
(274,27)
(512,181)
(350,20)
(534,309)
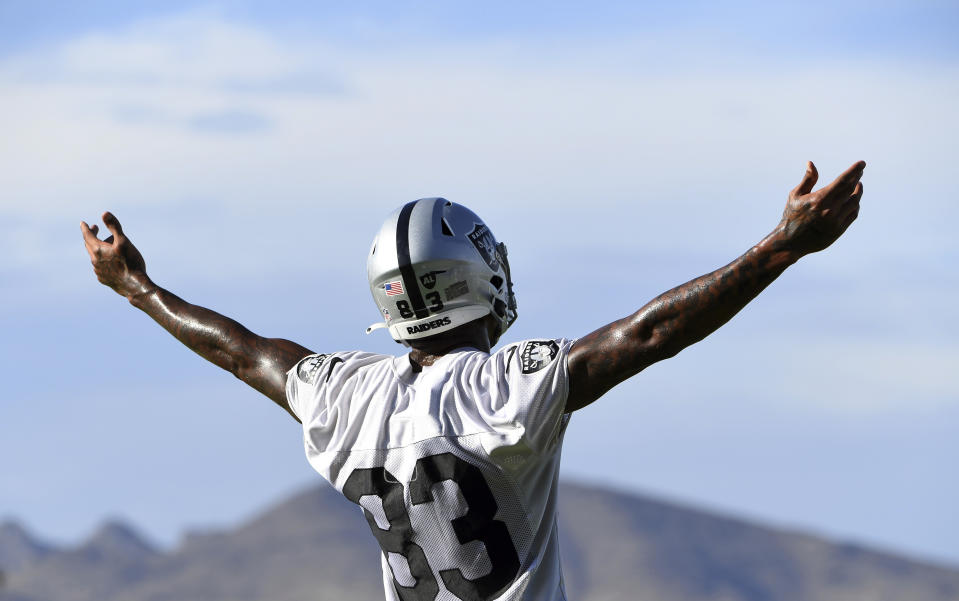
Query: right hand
(116,262)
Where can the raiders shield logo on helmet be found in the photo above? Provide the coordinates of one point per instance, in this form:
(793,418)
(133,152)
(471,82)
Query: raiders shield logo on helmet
(484,242)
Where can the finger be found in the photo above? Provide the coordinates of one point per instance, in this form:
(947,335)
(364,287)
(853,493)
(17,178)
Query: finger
(90,240)
(108,240)
(847,179)
(852,203)
(113,224)
(89,233)
(850,218)
(808,181)
(857,193)
(851,176)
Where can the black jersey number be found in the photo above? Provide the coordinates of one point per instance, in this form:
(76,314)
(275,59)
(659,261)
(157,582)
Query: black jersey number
(436,303)
(398,538)
(404,308)
(476,524)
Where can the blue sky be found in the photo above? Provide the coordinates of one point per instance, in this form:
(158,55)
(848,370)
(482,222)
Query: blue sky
(618,149)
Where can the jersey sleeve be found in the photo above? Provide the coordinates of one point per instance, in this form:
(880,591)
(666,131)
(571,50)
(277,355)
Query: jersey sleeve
(303,383)
(533,385)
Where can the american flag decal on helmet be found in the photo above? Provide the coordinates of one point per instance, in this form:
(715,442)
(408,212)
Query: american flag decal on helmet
(393,288)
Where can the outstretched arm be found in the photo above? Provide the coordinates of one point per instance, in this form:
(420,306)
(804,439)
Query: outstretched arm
(260,362)
(690,312)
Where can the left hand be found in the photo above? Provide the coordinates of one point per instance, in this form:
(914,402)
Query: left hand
(814,220)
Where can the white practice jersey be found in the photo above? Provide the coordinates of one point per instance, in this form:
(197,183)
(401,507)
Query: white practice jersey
(455,467)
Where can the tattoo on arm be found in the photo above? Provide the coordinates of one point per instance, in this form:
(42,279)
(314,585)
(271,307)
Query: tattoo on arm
(260,362)
(670,322)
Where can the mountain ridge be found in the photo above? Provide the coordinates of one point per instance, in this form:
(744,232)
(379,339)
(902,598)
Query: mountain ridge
(18,546)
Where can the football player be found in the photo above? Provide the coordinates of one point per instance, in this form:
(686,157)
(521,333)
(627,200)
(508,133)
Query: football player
(453,450)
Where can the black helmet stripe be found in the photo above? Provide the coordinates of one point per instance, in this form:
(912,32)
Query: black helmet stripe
(403,257)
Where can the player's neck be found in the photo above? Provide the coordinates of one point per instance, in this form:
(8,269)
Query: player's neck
(427,351)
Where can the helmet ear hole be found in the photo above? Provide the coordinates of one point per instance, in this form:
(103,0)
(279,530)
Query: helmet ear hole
(499,307)
(446,228)
(496,281)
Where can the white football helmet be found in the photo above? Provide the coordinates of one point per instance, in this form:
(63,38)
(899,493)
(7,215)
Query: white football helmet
(434,266)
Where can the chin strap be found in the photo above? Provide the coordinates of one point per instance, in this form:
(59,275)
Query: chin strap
(383,326)
(375,326)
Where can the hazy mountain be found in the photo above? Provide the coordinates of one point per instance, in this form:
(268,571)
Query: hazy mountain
(619,546)
(115,540)
(18,547)
(317,546)
(100,568)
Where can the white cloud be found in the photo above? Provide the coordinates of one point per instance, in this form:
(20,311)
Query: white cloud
(113,115)
(192,51)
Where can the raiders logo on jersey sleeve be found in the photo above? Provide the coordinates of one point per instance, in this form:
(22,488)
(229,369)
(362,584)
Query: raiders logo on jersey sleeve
(307,369)
(537,354)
